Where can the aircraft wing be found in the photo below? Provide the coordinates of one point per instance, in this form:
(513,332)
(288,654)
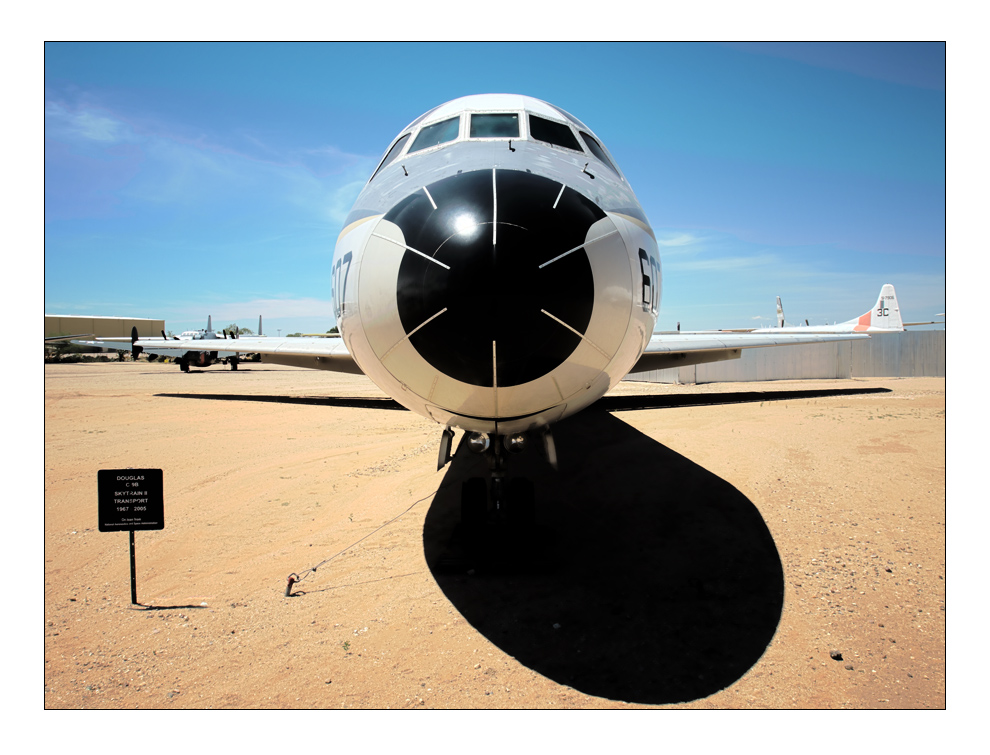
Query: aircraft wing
(681,349)
(161,347)
(106,343)
(314,353)
(121,344)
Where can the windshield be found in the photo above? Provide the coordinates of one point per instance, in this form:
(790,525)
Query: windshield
(392,153)
(495,125)
(597,150)
(551,132)
(437,133)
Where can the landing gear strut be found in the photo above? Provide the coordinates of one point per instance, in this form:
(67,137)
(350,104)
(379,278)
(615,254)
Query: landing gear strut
(512,500)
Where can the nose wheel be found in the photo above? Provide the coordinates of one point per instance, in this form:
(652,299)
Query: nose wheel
(498,530)
(501,499)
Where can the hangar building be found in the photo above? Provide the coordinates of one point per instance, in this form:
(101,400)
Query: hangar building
(101,327)
(904,354)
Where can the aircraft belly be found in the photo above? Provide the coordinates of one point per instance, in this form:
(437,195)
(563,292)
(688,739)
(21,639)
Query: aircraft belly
(431,386)
(502,425)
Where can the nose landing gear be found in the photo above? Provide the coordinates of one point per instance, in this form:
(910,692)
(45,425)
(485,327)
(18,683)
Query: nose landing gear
(512,499)
(498,529)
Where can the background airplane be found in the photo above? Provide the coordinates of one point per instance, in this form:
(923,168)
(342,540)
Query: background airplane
(193,357)
(884,317)
(497,274)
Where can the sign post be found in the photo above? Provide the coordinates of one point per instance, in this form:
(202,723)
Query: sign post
(131,499)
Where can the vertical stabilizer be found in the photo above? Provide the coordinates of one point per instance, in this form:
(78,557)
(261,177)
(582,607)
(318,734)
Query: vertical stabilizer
(209,323)
(259,326)
(885,315)
(887,312)
(780,313)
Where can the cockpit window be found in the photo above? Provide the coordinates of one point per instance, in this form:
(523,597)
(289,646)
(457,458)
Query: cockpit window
(392,153)
(597,151)
(552,132)
(494,125)
(437,133)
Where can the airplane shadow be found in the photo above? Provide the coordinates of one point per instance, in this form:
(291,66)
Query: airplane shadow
(610,403)
(672,401)
(345,401)
(645,578)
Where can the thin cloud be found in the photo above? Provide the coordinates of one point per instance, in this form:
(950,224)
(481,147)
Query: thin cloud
(330,160)
(722,263)
(177,168)
(85,125)
(679,240)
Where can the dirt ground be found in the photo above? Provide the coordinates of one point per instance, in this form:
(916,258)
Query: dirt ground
(758,545)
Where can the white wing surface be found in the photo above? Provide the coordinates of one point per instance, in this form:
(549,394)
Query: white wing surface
(313,353)
(165,348)
(681,349)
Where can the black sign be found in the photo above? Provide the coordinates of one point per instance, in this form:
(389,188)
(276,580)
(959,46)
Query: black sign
(131,499)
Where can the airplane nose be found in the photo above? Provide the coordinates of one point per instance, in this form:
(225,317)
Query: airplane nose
(495,287)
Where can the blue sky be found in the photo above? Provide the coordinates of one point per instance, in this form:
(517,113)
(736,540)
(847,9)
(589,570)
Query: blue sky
(186,180)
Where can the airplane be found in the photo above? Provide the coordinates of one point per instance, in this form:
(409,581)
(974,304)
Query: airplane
(885,317)
(496,275)
(197,357)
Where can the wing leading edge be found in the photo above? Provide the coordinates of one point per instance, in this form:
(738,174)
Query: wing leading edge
(682,349)
(313,353)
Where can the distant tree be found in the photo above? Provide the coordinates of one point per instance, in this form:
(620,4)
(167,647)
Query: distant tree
(333,331)
(294,335)
(239,331)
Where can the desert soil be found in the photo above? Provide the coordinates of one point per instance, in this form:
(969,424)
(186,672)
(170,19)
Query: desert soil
(703,546)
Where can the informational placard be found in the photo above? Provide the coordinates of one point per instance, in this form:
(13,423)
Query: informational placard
(130,499)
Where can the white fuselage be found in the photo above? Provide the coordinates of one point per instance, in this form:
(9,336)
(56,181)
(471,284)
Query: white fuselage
(497,273)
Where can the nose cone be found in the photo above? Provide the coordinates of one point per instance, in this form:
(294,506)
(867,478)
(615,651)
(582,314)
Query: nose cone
(495,287)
